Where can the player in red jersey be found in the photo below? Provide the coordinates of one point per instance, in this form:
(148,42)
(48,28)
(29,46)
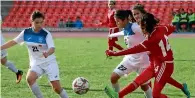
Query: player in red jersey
(111,23)
(161,57)
(138,12)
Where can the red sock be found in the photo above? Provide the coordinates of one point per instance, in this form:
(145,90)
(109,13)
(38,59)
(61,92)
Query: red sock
(118,46)
(128,89)
(174,83)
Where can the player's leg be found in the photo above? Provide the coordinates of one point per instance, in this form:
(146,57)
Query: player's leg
(125,67)
(157,90)
(146,87)
(142,78)
(115,39)
(175,83)
(162,74)
(11,66)
(33,73)
(110,43)
(182,87)
(52,72)
(145,76)
(117,45)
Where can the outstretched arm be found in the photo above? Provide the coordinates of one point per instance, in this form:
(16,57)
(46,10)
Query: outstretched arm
(8,44)
(170,29)
(13,42)
(121,33)
(136,49)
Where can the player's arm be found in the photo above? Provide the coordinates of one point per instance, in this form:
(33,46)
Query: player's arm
(121,33)
(13,42)
(49,52)
(8,44)
(170,29)
(136,49)
(142,47)
(51,47)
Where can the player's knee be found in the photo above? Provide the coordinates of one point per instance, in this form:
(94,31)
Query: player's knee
(145,87)
(57,89)
(114,78)
(3,61)
(30,80)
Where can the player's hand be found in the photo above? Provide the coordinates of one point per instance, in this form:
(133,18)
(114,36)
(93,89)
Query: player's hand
(45,54)
(110,53)
(109,36)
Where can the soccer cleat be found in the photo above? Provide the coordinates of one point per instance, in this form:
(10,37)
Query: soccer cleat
(110,92)
(185,90)
(19,76)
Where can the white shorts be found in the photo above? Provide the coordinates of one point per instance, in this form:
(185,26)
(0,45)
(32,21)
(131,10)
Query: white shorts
(3,53)
(49,68)
(126,67)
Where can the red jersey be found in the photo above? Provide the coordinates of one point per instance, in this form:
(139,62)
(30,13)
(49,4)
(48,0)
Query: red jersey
(110,21)
(157,44)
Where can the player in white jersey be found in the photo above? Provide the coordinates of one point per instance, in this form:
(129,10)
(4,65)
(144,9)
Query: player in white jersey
(134,62)
(41,49)
(8,63)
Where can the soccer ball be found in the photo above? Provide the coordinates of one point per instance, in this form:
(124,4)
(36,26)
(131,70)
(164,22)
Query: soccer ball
(80,85)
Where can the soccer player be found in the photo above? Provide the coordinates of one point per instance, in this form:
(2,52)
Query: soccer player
(111,23)
(138,12)
(161,57)
(9,64)
(134,62)
(41,49)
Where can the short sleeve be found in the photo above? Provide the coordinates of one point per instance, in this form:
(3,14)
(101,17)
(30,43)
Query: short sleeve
(136,28)
(49,41)
(19,38)
(170,29)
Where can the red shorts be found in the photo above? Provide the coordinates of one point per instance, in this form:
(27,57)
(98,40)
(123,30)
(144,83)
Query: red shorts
(161,72)
(111,31)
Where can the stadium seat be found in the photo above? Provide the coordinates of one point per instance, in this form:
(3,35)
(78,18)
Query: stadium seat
(88,10)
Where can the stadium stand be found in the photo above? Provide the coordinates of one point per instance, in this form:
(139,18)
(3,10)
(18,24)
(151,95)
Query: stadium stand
(89,11)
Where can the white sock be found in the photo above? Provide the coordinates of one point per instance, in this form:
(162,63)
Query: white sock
(11,66)
(63,94)
(36,91)
(148,93)
(116,87)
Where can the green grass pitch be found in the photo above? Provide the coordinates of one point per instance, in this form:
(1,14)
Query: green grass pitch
(85,57)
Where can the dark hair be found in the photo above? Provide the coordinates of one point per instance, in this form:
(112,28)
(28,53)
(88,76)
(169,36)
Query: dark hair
(139,7)
(149,21)
(122,14)
(112,1)
(131,15)
(37,14)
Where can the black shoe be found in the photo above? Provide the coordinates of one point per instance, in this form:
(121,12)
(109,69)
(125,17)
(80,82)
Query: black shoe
(19,76)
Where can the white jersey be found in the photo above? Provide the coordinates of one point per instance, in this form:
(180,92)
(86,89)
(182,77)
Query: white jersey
(37,43)
(133,36)
(2,40)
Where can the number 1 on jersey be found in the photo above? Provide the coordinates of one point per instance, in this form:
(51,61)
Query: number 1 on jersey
(162,46)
